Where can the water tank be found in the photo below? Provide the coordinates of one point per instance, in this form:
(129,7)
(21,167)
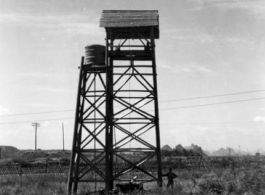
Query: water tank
(95,55)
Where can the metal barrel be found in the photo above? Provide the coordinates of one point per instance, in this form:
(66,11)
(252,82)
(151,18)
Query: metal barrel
(95,55)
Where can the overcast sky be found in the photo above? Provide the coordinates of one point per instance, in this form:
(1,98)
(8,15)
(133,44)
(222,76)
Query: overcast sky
(206,48)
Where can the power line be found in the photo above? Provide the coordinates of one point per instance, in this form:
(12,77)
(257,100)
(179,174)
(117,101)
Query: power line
(21,97)
(33,77)
(36,120)
(212,123)
(36,113)
(30,94)
(208,123)
(182,107)
(228,102)
(211,96)
(202,105)
(183,99)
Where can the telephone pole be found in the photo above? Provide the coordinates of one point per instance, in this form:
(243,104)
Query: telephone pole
(63,135)
(36,125)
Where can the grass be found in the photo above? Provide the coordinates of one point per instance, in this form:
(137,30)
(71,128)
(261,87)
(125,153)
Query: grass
(38,185)
(232,181)
(33,185)
(241,181)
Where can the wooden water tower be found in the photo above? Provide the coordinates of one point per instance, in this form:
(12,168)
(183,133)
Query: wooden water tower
(116,134)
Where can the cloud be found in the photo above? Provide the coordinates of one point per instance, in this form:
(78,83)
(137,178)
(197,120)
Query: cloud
(4,111)
(57,89)
(256,8)
(43,105)
(189,68)
(203,69)
(46,123)
(196,37)
(259,119)
(189,35)
(177,68)
(55,24)
(84,28)
(253,7)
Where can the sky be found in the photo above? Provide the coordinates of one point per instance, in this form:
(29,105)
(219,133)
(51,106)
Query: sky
(206,48)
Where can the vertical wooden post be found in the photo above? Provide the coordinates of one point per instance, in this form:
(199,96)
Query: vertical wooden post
(158,147)
(63,135)
(72,164)
(79,131)
(107,140)
(111,119)
(36,125)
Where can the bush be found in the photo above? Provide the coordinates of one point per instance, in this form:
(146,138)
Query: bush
(232,181)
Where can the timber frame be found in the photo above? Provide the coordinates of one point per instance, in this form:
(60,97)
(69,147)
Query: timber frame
(117,115)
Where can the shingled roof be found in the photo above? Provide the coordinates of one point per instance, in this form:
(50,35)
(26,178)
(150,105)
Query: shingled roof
(125,22)
(129,18)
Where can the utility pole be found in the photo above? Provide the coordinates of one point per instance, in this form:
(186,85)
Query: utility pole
(63,135)
(36,125)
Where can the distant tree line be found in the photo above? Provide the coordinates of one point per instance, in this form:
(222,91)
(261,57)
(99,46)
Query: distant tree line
(183,152)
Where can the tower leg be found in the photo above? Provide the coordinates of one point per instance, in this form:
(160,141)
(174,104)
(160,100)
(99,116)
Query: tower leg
(72,163)
(158,146)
